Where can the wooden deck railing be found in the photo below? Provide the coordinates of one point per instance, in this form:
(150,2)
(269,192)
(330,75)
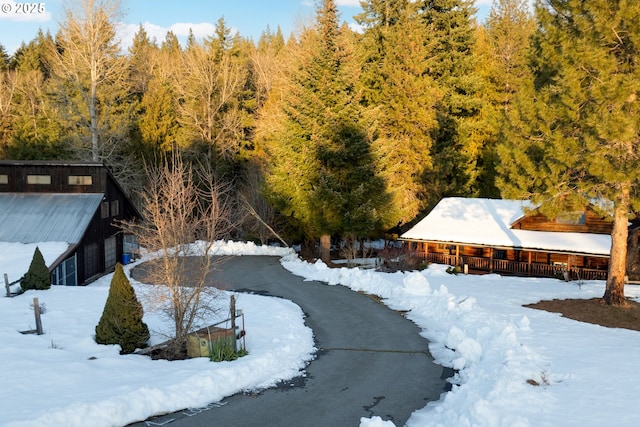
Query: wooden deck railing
(515,267)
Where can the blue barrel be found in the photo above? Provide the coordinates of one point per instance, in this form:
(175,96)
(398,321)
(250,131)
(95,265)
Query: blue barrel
(126,259)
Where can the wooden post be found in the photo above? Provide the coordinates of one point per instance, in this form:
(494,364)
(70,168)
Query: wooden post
(36,311)
(6,284)
(457,255)
(232,306)
(490,260)
(529,263)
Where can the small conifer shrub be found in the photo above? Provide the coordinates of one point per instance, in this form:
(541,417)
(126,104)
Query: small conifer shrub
(37,277)
(121,322)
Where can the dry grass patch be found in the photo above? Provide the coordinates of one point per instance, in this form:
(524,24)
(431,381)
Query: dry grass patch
(594,311)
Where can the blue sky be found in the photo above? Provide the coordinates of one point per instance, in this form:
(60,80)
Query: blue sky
(249,17)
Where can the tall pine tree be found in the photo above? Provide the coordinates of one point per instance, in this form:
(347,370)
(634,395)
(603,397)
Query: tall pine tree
(451,63)
(322,172)
(574,134)
(399,100)
(503,52)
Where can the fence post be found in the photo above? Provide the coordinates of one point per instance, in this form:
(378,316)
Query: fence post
(6,284)
(232,306)
(36,310)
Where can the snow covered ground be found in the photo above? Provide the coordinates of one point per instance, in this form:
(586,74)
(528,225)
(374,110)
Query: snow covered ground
(587,375)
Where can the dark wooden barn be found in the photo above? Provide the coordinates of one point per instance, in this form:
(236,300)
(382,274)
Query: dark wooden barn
(78,203)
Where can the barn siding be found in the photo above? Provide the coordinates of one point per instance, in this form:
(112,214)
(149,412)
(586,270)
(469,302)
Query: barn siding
(99,228)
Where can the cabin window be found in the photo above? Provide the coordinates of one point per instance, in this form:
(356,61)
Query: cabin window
(4,179)
(80,180)
(115,208)
(39,179)
(500,254)
(574,218)
(442,247)
(104,210)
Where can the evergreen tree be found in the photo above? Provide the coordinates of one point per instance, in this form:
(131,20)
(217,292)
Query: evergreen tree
(503,52)
(399,99)
(322,172)
(141,61)
(158,120)
(574,131)
(4,58)
(212,88)
(451,63)
(35,55)
(37,277)
(121,321)
(32,129)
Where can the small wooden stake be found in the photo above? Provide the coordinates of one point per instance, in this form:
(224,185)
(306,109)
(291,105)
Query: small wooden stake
(233,321)
(36,310)
(6,284)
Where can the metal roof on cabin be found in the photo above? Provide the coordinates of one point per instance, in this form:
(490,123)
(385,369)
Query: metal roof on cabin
(44,217)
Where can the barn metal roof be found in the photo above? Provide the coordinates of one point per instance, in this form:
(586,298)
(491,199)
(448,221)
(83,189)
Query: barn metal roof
(44,217)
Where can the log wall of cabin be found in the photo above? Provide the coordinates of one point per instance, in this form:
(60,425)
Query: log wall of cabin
(516,255)
(593,223)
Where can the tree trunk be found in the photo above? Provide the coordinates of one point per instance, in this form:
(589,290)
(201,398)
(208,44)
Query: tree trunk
(614,292)
(325,248)
(633,261)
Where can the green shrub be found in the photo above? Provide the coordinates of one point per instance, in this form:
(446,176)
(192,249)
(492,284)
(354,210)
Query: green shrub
(37,277)
(222,350)
(121,321)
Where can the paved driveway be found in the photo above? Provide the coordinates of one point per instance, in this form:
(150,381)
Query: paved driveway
(370,360)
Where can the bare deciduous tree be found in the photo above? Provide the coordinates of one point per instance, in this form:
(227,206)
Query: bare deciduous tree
(258,218)
(88,57)
(185,211)
(8,85)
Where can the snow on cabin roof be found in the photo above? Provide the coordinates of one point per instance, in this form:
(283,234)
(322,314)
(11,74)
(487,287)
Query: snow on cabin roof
(45,217)
(487,222)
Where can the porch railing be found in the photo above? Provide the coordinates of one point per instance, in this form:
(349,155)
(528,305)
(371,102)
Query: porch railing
(515,267)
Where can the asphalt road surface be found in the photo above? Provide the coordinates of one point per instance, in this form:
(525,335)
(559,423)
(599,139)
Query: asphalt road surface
(371,361)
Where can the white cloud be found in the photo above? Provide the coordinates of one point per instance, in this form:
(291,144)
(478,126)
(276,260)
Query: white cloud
(200,30)
(126,32)
(355,3)
(24,12)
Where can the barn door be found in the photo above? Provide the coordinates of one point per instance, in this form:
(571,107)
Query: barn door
(91,260)
(110,253)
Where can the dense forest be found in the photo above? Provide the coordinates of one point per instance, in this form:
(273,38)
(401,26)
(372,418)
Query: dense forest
(331,132)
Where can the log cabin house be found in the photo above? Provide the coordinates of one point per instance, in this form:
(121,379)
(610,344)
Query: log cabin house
(508,237)
(77,203)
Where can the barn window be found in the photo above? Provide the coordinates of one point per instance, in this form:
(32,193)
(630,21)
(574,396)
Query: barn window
(4,179)
(104,210)
(115,208)
(80,180)
(39,179)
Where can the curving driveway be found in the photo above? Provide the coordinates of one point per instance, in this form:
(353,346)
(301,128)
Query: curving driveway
(370,360)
